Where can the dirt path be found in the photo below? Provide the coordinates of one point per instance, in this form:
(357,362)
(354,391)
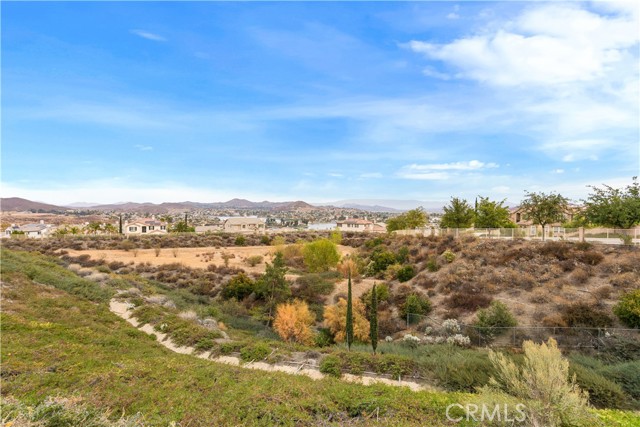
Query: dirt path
(122,310)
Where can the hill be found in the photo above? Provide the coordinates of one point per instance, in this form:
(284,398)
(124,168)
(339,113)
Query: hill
(17,204)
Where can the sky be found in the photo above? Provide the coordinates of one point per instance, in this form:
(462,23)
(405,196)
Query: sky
(107,102)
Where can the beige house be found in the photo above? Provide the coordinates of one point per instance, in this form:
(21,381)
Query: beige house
(34,231)
(146,226)
(531,229)
(244,225)
(361,225)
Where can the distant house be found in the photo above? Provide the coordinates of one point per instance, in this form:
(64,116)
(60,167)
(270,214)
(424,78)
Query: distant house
(519,218)
(244,225)
(203,229)
(34,231)
(145,226)
(361,225)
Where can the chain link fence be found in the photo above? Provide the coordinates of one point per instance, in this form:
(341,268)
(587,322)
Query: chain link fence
(566,337)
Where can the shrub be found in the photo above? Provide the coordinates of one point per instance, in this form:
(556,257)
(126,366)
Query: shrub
(603,393)
(543,382)
(324,338)
(449,256)
(497,315)
(254,260)
(335,318)
(330,365)
(628,309)
(381,260)
(416,304)
(432,264)
(585,315)
(293,322)
(589,257)
(625,374)
(240,241)
(320,255)
(467,301)
(239,287)
(405,273)
(253,352)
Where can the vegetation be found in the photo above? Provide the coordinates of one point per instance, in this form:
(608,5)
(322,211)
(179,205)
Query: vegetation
(415,218)
(349,315)
(458,214)
(335,319)
(614,207)
(293,322)
(320,255)
(491,214)
(373,319)
(492,319)
(543,209)
(552,398)
(628,309)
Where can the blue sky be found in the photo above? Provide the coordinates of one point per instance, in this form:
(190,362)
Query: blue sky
(205,101)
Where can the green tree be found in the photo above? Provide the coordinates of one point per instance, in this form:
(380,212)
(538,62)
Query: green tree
(320,255)
(110,229)
(628,309)
(182,227)
(239,287)
(544,209)
(458,214)
(373,319)
(273,286)
(415,218)
(492,214)
(94,227)
(614,207)
(349,328)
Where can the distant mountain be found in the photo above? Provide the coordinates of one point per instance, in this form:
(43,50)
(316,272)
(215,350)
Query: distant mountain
(17,204)
(174,207)
(388,205)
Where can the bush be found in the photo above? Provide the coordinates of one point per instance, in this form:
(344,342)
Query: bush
(320,255)
(405,273)
(496,316)
(628,309)
(585,315)
(432,265)
(381,260)
(330,365)
(312,288)
(416,304)
(254,260)
(238,287)
(625,374)
(603,393)
(324,338)
(467,301)
(449,256)
(240,241)
(253,352)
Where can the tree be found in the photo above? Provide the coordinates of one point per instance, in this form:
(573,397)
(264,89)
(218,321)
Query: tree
(94,227)
(273,287)
(349,314)
(110,229)
(544,209)
(415,218)
(320,255)
(293,322)
(373,319)
(459,214)
(182,227)
(614,207)
(628,309)
(239,287)
(335,320)
(491,214)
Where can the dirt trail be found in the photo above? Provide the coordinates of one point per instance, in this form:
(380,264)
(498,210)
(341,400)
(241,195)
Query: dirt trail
(122,309)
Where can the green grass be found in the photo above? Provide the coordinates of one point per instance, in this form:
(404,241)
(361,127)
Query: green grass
(56,344)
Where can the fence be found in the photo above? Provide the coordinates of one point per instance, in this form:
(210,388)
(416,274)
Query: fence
(610,236)
(566,337)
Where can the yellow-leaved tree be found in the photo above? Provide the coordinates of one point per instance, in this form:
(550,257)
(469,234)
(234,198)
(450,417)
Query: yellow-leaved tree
(293,322)
(335,318)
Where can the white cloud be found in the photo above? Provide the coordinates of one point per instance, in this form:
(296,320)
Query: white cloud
(432,72)
(453,15)
(558,171)
(143,147)
(335,175)
(577,149)
(441,171)
(548,44)
(148,35)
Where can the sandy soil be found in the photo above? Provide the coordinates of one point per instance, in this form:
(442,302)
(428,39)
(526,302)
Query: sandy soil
(122,309)
(193,257)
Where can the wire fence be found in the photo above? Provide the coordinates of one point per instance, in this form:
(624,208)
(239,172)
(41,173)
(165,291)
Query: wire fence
(566,337)
(611,236)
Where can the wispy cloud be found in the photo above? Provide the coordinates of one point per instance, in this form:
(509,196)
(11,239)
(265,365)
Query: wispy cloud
(143,147)
(441,171)
(148,35)
(369,175)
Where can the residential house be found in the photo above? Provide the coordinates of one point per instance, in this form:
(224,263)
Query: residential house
(34,231)
(244,225)
(552,230)
(361,225)
(145,226)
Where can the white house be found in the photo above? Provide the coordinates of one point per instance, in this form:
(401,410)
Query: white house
(244,225)
(361,225)
(145,226)
(34,231)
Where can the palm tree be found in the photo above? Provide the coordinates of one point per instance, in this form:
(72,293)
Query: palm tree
(110,229)
(94,227)
(74,230)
